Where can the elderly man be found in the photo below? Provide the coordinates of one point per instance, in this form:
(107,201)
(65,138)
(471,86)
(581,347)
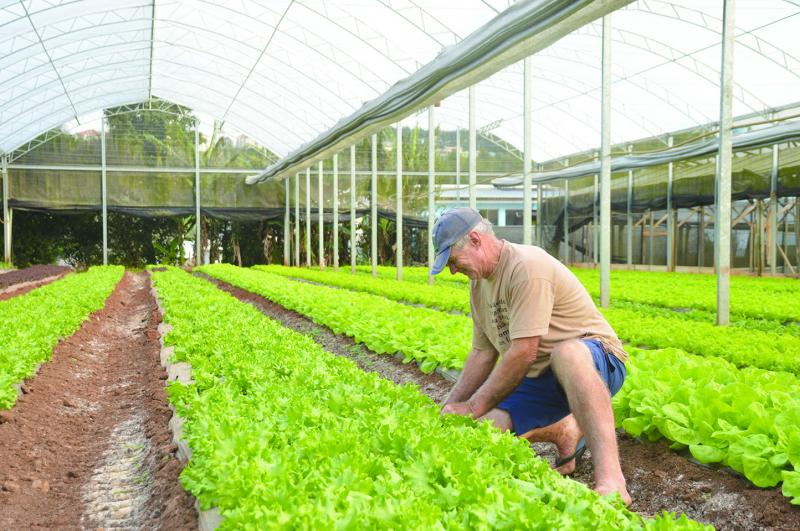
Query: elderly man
(560,361)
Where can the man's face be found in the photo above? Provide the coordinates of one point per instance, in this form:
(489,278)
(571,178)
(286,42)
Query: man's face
(464,260)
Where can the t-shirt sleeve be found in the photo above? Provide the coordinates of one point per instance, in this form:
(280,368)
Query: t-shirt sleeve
(530,307)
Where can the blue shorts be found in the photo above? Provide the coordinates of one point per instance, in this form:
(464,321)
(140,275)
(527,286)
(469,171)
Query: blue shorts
(539,402)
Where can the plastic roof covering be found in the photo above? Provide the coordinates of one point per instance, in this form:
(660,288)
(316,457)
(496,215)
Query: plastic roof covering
(284,71)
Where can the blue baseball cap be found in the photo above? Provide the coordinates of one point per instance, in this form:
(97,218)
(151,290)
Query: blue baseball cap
(451,226)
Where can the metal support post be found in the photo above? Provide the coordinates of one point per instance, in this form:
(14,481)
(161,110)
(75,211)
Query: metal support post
(539,215)
(353,209)
(458,166)
(701,238)
(605,170)
(431,189)
(399,207)
(594,234)
(670,216)
(6,213)
(297,220)
(198,248)
(321,220)
(651,240)
(566,221)
(308,216)
(527,94)
(722,227)
(629,219)
(335,220)
(287,252)
(103,188)
(473,151)
(373,203)
(773,213)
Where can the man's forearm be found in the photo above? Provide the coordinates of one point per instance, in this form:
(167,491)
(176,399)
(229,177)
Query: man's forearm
(504,379)
(476,370)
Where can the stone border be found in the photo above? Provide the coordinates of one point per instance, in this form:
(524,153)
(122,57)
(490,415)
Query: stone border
(210,519)
(36,283)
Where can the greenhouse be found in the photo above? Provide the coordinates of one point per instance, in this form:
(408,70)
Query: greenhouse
(302,263)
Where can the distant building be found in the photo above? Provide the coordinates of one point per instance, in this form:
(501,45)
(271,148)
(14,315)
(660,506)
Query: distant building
(502,207)
(89,133)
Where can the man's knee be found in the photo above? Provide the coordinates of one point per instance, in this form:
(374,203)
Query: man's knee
(569,354)
(500,418)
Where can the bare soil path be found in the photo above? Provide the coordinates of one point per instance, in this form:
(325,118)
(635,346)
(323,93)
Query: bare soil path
(87,445)
(658,478)
(20,281)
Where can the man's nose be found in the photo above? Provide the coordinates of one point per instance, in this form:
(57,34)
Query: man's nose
(452,269)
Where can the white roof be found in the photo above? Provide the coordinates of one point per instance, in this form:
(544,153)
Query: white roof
(284,71)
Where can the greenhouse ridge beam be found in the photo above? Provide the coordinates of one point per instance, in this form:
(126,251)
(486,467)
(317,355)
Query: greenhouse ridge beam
(519,31)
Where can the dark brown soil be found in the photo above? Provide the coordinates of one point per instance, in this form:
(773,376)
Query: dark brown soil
(88,445)
(19,282)
(659,479)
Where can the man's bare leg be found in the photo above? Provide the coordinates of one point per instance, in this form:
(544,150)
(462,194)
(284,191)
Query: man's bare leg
(565,434)
(590,402)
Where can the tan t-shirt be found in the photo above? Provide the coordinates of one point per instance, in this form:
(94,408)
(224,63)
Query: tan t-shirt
(530,294)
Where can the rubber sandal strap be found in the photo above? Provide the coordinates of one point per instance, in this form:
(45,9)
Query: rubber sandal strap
(577,455)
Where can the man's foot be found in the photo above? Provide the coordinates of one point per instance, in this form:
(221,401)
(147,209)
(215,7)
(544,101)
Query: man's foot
(607,488)
(566,440)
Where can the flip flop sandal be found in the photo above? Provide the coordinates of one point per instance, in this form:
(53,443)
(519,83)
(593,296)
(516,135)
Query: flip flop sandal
(577,455)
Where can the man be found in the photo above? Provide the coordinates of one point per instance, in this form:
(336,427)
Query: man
(560,361)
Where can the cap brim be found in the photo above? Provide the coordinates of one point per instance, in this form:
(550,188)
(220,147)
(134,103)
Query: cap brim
(441,261)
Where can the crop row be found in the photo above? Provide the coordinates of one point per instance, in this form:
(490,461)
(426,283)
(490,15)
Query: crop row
(750,342)
(751,297)
(284,434)
(32,324)
(431,337)
(747,419)
(651,387)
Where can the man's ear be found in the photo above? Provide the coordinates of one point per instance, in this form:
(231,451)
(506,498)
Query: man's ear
(474,238)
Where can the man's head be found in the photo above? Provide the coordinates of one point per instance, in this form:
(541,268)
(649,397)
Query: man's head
(464,242)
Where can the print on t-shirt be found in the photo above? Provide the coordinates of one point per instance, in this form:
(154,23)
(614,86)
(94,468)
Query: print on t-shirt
(499,310)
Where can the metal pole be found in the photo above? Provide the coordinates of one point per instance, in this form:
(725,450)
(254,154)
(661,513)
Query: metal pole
(539,218)
(308,216)
(6,214)
(103,188)
(399,193)
(431,189)
(335,212)
(198,243)
(527,94)
(651,239)
(353,209)
(458,166)
(374,208)
(722,227)
(566,221)
(670,216)
(473,151)
(297,220)
(605,170)
(773,213)
(629,204)
(595,225)
(701,238)
(321,220)
(287,252)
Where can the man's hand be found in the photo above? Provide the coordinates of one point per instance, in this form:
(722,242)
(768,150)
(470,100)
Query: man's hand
(464,409)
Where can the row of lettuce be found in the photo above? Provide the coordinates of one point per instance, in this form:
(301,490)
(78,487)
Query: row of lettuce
(285,434)
(744,418)
(769,344)
(32,324)
(751,297)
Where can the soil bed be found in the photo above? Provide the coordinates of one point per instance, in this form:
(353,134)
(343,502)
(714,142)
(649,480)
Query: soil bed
(87,445)
(21,281)
(658,478)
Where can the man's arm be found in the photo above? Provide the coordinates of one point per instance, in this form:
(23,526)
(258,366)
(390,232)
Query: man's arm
(506,377)
(476,370)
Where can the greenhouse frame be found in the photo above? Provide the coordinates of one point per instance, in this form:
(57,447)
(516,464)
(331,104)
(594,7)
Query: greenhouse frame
(651,146)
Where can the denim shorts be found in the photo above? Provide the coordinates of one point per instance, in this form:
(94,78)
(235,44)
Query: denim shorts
(539,402)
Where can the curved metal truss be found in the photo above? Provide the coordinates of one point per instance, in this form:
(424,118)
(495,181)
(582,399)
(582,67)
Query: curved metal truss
(284,71)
